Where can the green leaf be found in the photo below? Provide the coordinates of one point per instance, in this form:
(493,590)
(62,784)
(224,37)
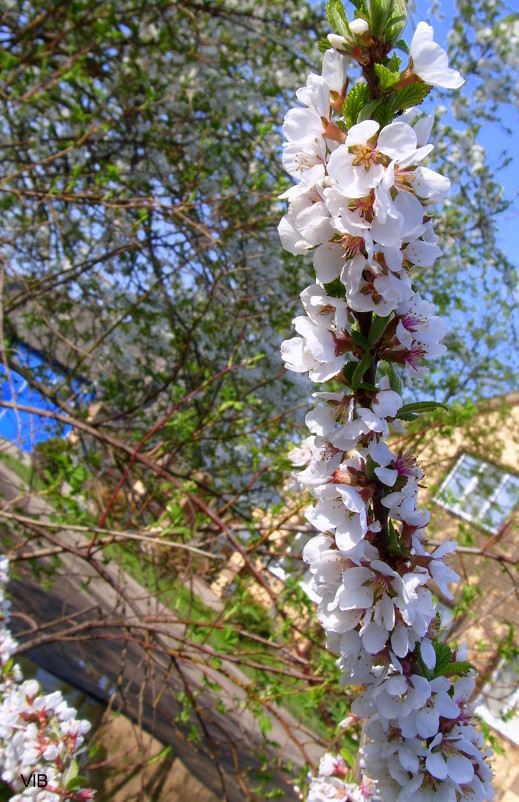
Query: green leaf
(323,45)
(72,773)
(394,63)
(113,172)
(394,379)
(349,757)
(229,636)
(378,327)
(193,736)
(387,78)
(361,7)
(454,669)
(335,289)
(265,724)
(348,371)
(418,407)
(443,656)
(380,11)
(338,19)
(397,21)
(394,547)
(411,95)
(355,101)
(360,370)
(383,114)
(370,468)
(367,112)
(402,45)
(359,339)
(407,416)
(7,60)
(76,783)
(76,476)
(230,405)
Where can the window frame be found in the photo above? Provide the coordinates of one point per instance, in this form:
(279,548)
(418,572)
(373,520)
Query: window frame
(508,728)
(471,485)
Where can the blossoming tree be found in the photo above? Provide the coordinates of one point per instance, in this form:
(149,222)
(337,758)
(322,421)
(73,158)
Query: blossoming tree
(364,206)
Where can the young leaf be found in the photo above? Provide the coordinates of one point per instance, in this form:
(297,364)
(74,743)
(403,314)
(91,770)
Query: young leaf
(348,371)
(265,724)
(397,21)
(349,757)
(394,63)
(335,289)
(394,379)
(387,78)
(360,370)
(443,657)
(402,45)
(380,11)
(419,406)
(76,783)
(355,101)
(394,547)
(455,669)
(360,340)
(378,327)
(338,19)
(71,773)
(160,755)
(370,468)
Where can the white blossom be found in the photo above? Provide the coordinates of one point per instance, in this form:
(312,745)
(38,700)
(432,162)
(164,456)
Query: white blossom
(430,62)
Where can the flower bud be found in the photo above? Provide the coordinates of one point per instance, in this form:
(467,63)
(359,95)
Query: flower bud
(359,26)
(340,43)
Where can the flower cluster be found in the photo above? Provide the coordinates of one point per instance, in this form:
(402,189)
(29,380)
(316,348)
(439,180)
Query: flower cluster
(331,784)
(40,735)
(425,745)
(363,207)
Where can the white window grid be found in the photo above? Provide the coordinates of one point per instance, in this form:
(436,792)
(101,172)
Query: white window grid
(505,716)
(470,487)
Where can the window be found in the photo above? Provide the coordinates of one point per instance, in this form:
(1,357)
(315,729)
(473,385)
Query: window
(480,492)
(278,568)
(285,566)
(499,702)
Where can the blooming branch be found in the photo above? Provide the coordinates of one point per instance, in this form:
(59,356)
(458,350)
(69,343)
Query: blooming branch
(364,208)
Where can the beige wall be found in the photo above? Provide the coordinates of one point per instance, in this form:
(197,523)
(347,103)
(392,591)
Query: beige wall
(487,592)
(492,602)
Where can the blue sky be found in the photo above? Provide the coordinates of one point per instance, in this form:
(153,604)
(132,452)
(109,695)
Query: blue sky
(493,138)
